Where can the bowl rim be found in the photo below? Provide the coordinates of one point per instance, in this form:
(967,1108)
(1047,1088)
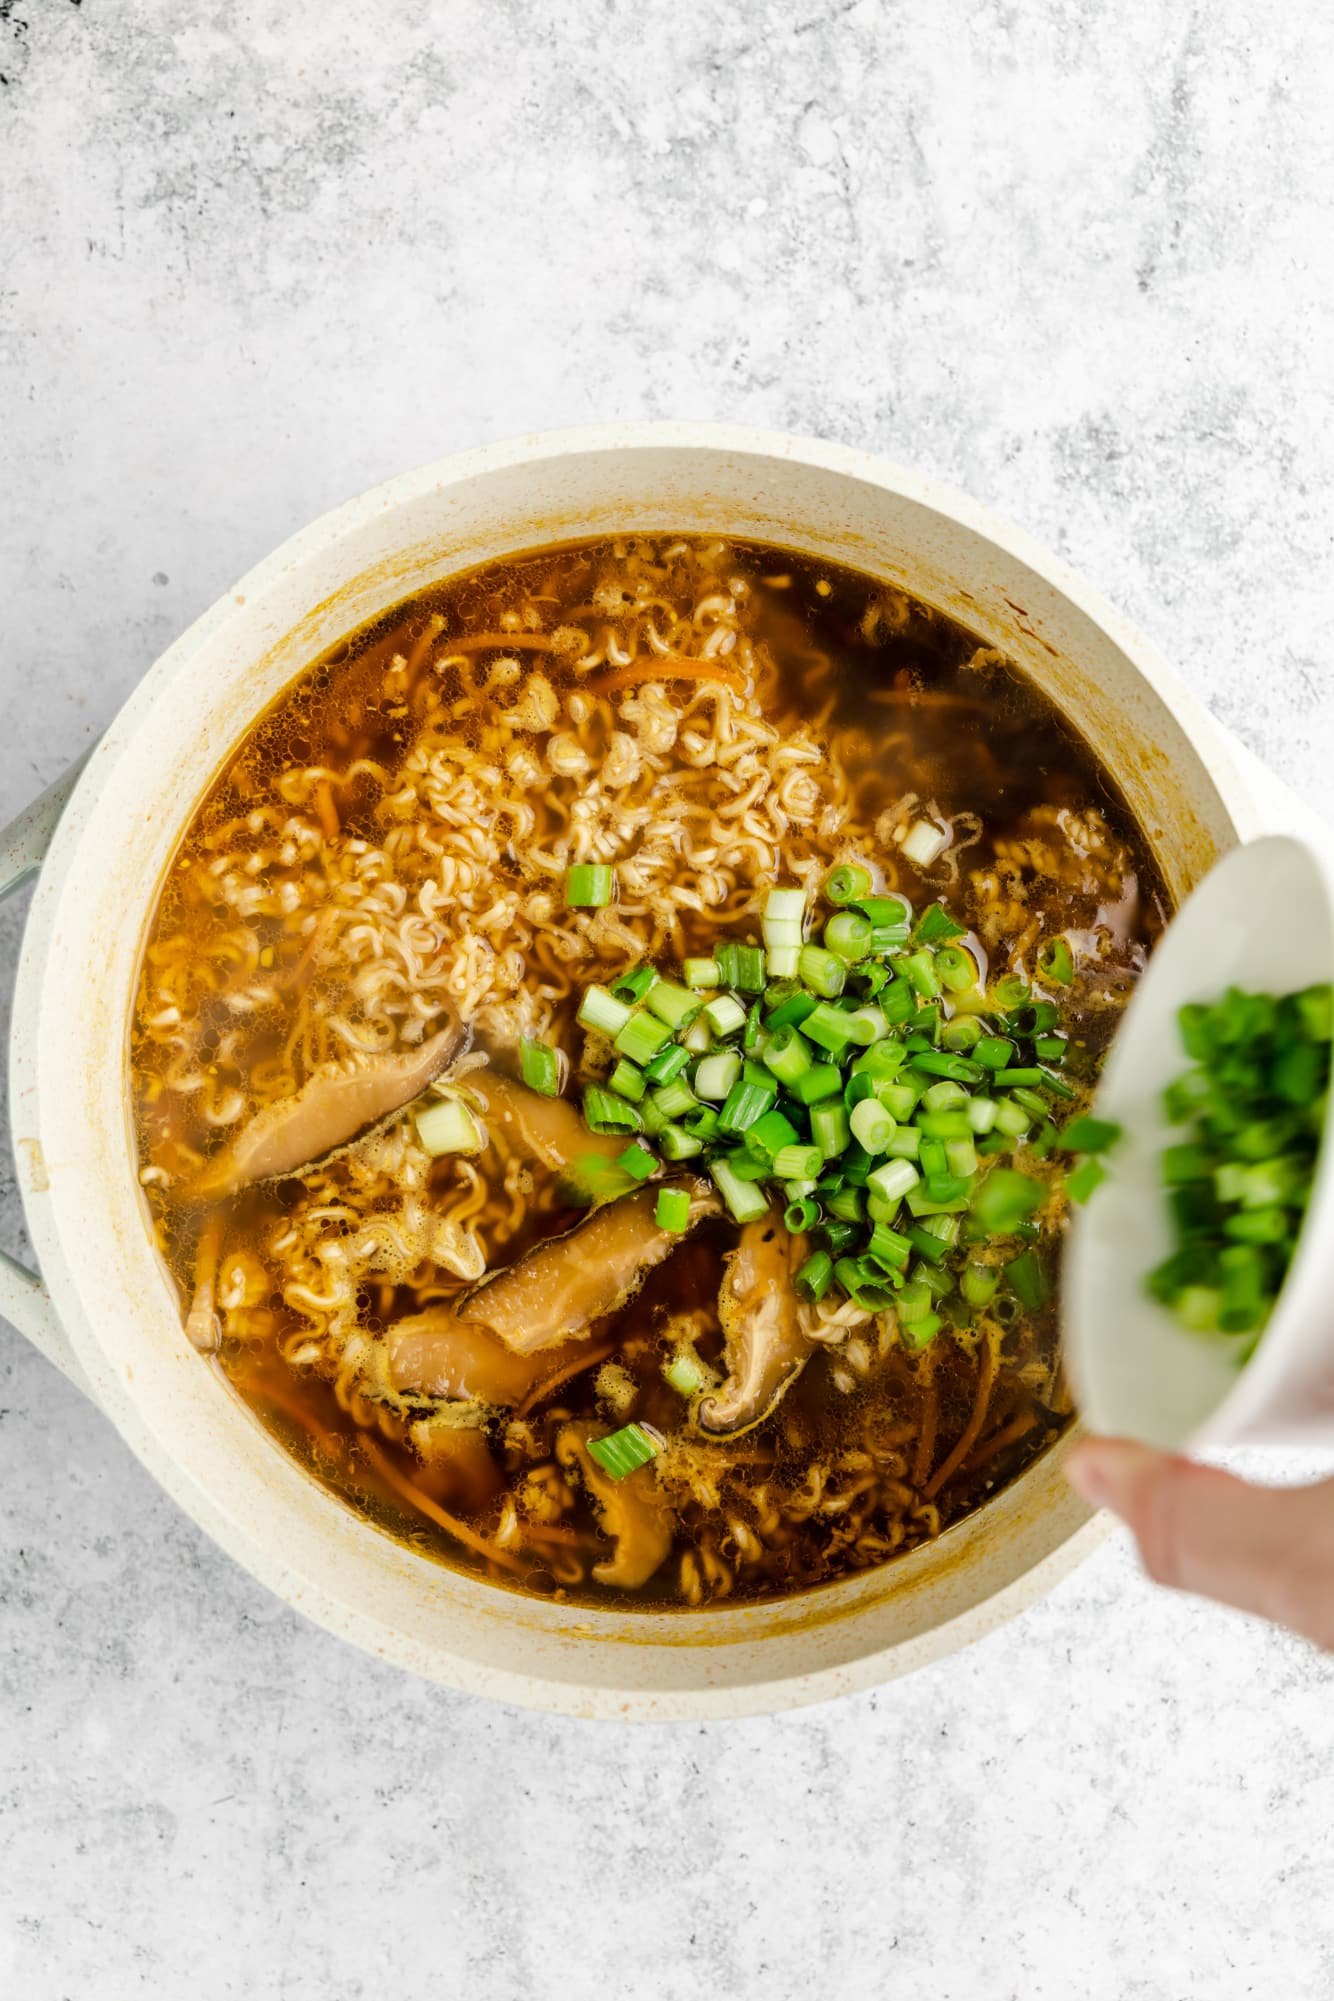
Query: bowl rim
(338,524)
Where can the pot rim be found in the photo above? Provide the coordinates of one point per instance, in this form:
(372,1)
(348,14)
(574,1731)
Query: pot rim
(116,1395)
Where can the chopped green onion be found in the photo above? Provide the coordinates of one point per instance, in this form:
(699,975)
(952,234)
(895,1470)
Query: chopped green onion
(673,1210)
(888,1247)
(628,1081)
(698,1038)
(800,1215)
(590,886)
(602,1011)
(815,1277)
(1089,1135)
(445,1125)
(622,1452)
(981,1114)
(725,1015)
(1024,1276)
(638,1163)
(893,1180)
(829,1027)
(1006,1198)
(847,935)
(872,1125)
(798,1163)
(1089,1175)
(678,1144)
(715,1075)
(701,973)
(749,970)
(787,1054)
(632,987)
(789,1009)
(867,1025)
(1056,962)
(1011,1119)
(539,1066)
(823,972)
(785,905)
(919,970)
(770,1134)
(829,1128)
(605,1113)
(820,1081)
(674,1099)
(641,1037)
(748,1100)
(924,843)
(684,1371)
(746,1202)
(978,1284)
(669,1062)
(962,1033)
(956,968)
(673,1005)
(848,883)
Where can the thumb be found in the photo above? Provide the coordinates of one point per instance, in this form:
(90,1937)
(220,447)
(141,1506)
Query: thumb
(1263,1549)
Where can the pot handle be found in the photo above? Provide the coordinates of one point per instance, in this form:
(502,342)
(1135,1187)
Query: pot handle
(24,1300)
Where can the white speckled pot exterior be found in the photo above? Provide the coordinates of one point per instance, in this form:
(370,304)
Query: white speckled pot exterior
(96,893)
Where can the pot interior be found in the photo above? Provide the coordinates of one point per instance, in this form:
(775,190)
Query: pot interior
(79,976)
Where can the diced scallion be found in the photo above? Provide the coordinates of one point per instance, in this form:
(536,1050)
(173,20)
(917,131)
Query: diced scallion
(445,1125)
(622,1452)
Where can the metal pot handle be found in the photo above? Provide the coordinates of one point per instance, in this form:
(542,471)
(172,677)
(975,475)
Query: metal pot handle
(24,1300)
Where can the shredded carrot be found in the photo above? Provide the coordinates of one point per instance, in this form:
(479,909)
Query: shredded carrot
(666,667)
(498,642)
(413,1494)
(986,1375)
(1009,1434)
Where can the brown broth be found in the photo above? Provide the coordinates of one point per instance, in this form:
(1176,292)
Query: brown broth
(845,1473)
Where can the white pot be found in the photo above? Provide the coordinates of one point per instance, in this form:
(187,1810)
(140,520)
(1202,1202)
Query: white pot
(104,1309)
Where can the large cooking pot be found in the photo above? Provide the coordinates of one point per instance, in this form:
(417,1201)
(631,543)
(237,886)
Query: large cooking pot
(104,1310)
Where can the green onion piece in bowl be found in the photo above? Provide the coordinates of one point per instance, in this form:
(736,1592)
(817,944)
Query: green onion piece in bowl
(673,1210)
(848,883)
(539,1066)
(632,986)
(604,1112)
(1055,961)
(823,972)
(600,1010)
(848,935)
(622,1452)
(642,1036)
(637,1162)
(445,1125)
(590,886)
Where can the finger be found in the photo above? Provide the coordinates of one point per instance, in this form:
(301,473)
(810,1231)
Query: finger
(1264,1549)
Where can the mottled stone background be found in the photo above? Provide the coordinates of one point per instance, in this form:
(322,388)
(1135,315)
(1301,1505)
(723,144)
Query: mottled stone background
(1076,257)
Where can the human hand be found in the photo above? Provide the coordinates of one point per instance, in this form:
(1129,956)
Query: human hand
(1268,1550)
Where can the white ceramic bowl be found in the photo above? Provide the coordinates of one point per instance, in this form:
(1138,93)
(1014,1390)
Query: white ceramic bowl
(1263,918)
(104,1308)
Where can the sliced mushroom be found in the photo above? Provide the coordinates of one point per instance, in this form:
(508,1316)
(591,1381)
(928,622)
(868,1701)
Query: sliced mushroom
(633,1512)
(436,1354)
(550,1129)
(765,1327)
(459,1467)
(332,1109)
(563,1285)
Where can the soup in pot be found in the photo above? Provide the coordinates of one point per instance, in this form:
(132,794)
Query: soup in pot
(603,1059)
